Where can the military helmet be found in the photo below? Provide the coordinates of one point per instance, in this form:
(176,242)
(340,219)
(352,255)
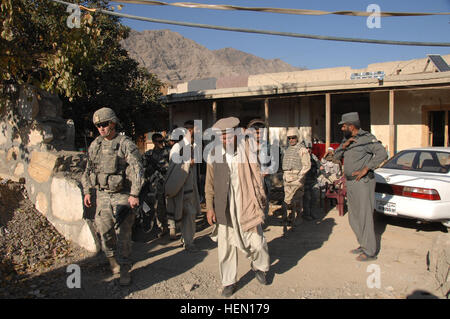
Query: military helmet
(105,114)
(292,131)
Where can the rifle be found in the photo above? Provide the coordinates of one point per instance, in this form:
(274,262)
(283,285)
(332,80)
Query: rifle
(146,212)
(122,212)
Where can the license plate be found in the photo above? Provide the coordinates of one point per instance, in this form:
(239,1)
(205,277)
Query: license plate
(386,207)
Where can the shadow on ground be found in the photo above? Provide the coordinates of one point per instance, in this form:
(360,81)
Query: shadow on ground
(95,277)
(287,250)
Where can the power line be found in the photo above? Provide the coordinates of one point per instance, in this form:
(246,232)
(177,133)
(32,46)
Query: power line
(281,10)
(277,33)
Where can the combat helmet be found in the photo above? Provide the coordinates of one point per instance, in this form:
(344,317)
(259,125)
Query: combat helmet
(104,114)
(292,131)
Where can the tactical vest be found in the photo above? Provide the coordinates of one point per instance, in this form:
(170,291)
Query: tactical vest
(108,168)
(291,158)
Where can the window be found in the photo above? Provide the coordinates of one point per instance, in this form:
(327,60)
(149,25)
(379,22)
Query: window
(434,162)
(403,160)
(443,158)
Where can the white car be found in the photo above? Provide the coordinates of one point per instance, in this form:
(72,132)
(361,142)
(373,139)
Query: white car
(415,183)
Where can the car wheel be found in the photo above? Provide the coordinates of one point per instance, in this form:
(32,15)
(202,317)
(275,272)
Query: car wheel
(446,223)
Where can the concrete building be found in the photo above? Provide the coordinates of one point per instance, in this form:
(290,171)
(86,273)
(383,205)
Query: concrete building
(404,103)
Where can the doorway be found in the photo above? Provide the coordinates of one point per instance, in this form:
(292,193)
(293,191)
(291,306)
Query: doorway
(436,121)
(437,128)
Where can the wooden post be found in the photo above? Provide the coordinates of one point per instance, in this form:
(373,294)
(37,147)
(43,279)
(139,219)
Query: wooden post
(266,112)
(391,124)
(214,111)
(446,129)
(327,120)
(266,117)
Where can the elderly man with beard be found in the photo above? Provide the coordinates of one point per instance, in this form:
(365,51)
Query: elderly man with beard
(235,200)
(362,153)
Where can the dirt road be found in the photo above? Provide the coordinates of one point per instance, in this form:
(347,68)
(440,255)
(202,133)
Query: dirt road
(311,262)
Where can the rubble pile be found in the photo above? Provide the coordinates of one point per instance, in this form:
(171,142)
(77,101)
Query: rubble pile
(29,244)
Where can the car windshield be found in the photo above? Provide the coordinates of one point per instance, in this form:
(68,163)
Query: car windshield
(420,160)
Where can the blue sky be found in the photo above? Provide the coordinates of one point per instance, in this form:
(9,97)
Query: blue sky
(312,54)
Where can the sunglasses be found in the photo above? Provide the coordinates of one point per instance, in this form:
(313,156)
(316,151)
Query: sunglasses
(158,141)
(103,124)
(292,137)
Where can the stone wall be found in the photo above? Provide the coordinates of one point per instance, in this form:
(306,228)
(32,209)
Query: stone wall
(36,147)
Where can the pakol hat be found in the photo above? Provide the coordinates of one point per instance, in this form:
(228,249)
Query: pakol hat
(226,123)
(256,122)
(349,118)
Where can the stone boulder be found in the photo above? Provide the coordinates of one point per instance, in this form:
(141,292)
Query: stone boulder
(439,261)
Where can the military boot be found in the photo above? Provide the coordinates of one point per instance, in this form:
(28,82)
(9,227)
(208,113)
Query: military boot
(114,265)
(290,219)
(298,215)
(125,276)
(172,233)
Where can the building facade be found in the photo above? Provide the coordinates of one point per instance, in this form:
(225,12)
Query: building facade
(404,103)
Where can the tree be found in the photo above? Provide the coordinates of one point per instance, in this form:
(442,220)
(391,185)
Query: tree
(85,66)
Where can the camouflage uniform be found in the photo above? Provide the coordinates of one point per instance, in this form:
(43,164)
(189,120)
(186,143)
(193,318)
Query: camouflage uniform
(156,161)
(115,170)
(296,163)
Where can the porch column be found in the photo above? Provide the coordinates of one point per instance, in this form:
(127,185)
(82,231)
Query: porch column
(266,112)
(391,124)
(446,129)
(214,112)
(266,117)
(327,120)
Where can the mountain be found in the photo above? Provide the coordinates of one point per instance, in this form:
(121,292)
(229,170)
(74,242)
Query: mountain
(175,59)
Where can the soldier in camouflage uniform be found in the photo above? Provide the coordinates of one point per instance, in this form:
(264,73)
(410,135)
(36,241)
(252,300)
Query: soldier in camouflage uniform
(312,189)
(115,170)
(362,153)
(156,162)
(296,163)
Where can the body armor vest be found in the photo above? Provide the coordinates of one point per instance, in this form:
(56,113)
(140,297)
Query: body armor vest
(291,158)
(108,168)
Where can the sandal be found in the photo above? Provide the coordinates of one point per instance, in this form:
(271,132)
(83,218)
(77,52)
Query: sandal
(357,251)
(365,257)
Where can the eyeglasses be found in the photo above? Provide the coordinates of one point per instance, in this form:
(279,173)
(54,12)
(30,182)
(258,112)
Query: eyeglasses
(158,141)
(292,137)
(103,124)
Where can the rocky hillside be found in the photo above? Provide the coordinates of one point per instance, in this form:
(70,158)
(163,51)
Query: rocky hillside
(175,59)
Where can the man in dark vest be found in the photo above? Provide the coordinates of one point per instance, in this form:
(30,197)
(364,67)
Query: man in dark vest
(115,170)
(311,196)
(235,200)
(362,153)
(156,163)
